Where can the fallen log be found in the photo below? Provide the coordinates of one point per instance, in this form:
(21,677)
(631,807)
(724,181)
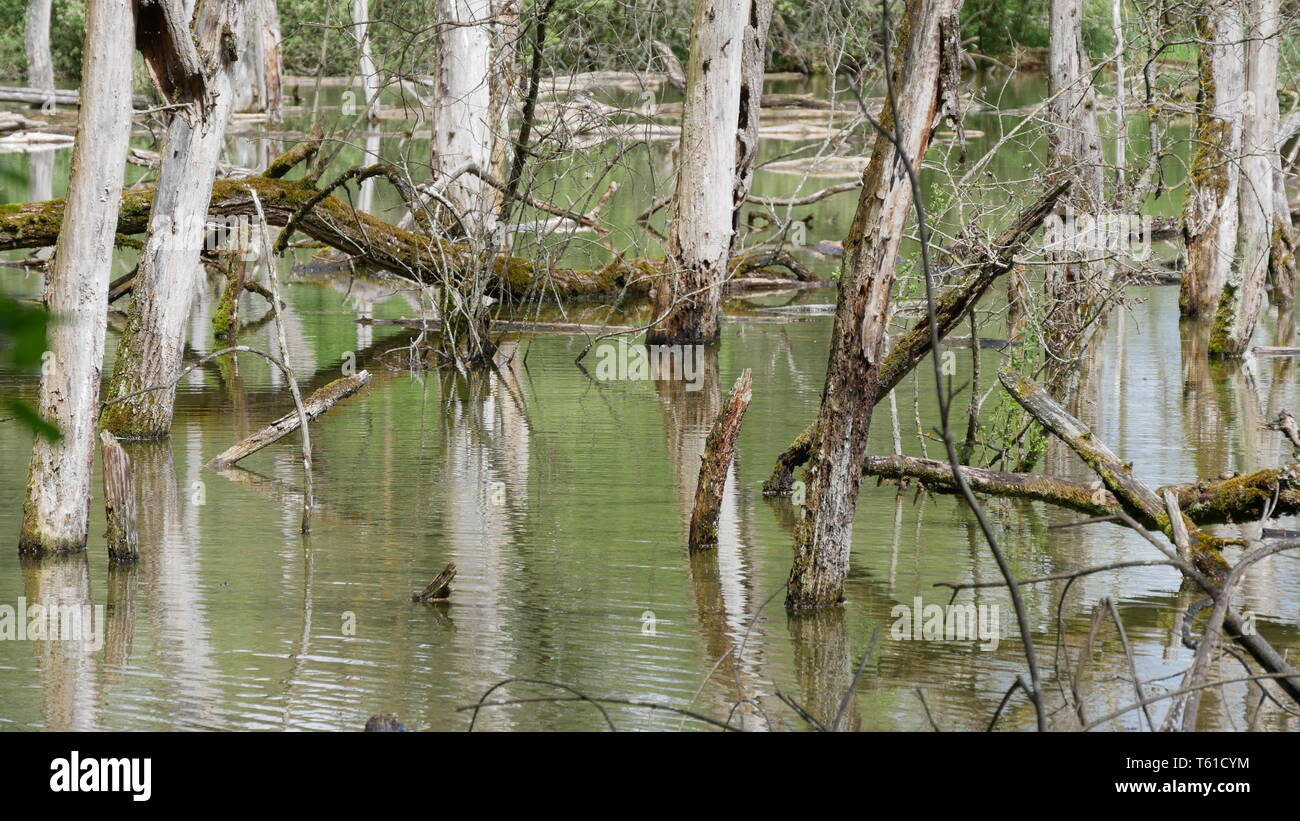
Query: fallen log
(718,451)
(1221,501)
(1137,499)
(318,403)
(989,263)
(1274,350)
(1210,569)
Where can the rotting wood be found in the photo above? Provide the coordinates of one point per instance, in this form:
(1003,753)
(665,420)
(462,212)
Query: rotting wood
(1134,495)
(119,501)
(439,588)
(315,405)
(719,449)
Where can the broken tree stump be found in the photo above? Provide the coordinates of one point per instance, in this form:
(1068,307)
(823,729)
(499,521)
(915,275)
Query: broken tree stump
(316,404)
(119,501)
(439,588)
(718,451)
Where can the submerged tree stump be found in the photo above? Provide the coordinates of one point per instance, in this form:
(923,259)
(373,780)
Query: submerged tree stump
(119,501)
(439,588)
(316,404)
(718,451)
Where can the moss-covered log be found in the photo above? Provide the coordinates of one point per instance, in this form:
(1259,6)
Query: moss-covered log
(1137,499)
(1238,499)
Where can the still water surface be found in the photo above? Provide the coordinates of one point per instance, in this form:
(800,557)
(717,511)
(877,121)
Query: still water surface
(564,503)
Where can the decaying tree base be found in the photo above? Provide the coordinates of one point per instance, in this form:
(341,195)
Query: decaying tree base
(718,451)
(318,403)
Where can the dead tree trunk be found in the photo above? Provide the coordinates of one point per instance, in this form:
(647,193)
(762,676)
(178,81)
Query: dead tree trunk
(40,67)
(950,309)
(1210,213)
(1075,283)
(366,69)
(824,533)
(753,61)
(463,119)
(1243,293)
(715,463)
(170,273)
(56,506)
(687,303)
(259,86)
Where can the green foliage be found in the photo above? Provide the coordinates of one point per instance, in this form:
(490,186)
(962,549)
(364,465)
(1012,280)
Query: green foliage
(68,21)
(22,342)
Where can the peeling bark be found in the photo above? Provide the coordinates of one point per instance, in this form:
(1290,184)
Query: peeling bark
(687,307)
(56,506)
(170,274)
(853,374)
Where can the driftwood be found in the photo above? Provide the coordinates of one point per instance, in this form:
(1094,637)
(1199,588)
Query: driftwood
(119,501)
(439,588)
(989,263)
(718,451)
(1274,350)
(315,405)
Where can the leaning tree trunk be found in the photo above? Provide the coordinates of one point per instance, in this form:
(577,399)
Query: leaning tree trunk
(169,274)
(56,507)
(1243,292)
(1210,214)
(824,534)
(40,67)
(688,302)
(1075,283)
(752,64)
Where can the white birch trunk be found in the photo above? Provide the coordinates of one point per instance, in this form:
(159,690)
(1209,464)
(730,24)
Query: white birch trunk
(56,507)
(1243,292)
(170,272)
(366,69)
(688,300)
(464,116)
